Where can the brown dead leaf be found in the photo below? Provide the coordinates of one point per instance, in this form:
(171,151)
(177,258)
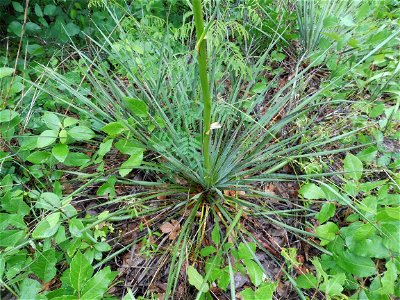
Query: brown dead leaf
(46,286)
(172,228)
(162,197)
(233,193)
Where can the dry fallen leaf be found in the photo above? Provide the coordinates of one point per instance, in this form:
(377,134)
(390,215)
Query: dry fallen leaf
(233,193)
(172,228)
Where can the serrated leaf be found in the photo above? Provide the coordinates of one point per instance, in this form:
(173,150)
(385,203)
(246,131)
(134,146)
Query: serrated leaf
(327,232)
(47,227)
(334,286)
(98,284)
(266,290)
(255,272)
(246,251)
(196,279)
(47,138)
(81,133)
(388,279)
(44,265)
(80,271)
(353,167)
(327,211)
(60,152)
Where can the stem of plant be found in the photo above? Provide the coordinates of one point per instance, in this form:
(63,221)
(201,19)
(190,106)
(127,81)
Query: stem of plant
(203,74)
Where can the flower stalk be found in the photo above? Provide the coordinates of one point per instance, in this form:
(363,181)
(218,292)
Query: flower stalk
(201,47)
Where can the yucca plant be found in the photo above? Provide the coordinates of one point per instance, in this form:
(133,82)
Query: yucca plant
(316,19)
(206,145)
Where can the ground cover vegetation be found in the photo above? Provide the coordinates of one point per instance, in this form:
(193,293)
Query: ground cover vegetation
(199,149)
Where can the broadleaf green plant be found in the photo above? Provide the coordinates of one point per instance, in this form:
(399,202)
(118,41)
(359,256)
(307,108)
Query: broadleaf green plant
(157,110)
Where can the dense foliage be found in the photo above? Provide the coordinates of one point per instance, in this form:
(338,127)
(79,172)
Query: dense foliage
(161,149)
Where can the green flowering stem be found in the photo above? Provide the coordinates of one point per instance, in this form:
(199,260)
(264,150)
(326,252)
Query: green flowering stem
(201,48)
